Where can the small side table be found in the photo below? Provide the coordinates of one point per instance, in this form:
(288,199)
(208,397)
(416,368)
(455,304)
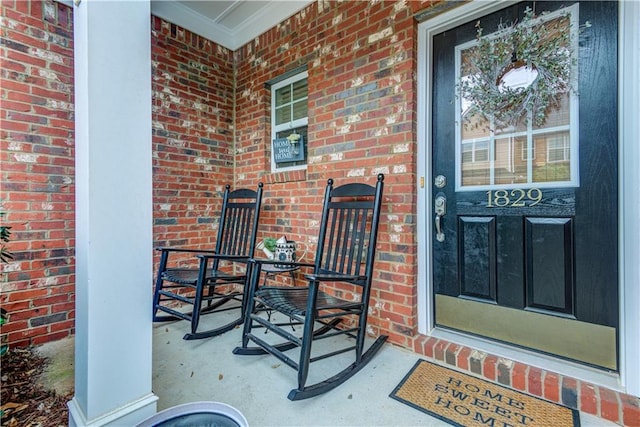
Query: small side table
(270,270)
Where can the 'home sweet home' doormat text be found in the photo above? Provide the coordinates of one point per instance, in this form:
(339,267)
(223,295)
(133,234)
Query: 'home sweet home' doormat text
(463,400)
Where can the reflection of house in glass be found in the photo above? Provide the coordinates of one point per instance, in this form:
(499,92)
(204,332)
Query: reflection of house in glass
(520,154)
(524,153)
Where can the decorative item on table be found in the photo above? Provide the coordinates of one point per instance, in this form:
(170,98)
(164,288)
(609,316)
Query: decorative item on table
(285,251)
(268,247)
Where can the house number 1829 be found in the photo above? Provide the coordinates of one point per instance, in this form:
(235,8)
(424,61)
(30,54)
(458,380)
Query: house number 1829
(517,198)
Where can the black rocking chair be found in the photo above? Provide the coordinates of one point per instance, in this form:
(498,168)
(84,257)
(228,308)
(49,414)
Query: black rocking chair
(344,259)
(218,269)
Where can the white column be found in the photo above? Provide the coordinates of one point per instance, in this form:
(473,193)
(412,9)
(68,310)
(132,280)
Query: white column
(113,341)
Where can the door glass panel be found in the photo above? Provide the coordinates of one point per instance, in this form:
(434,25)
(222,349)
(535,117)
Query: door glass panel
(523,153)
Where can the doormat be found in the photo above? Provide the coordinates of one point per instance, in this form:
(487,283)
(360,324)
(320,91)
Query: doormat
(466,401)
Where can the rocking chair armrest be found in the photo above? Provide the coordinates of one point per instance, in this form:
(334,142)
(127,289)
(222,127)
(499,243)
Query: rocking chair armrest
(195,251)
(288,264)
(334,277)
(223,257)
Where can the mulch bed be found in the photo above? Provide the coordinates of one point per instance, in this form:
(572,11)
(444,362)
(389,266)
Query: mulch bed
(24,401)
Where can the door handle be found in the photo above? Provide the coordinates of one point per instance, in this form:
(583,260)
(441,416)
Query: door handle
(441,210)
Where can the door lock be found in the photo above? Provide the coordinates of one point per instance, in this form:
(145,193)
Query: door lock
(441,210)
(440,181)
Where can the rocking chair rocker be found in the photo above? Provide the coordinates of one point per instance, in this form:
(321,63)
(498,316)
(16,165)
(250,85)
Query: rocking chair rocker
(217,268)
(344,260)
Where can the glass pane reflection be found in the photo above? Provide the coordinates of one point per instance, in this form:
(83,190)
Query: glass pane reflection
(283,95)
(553,164)
(476,167)
(300,89)
(521,154)
(511,160)
(300,109)
(283,114)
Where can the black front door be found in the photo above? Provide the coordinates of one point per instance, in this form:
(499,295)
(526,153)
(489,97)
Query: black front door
(525,247)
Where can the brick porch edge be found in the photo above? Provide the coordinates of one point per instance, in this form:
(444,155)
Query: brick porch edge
(605,403)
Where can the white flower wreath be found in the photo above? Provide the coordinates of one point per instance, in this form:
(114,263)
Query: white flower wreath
(543,48)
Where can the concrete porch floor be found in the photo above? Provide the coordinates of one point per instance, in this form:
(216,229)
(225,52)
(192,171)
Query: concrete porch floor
(186,371)
(200,370)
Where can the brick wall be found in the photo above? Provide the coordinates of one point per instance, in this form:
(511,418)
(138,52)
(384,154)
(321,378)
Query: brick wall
(193,93)
(210,127)
(192,156)
(360,58)
(37,176)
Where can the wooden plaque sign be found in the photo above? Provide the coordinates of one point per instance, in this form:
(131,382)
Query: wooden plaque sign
(285,151)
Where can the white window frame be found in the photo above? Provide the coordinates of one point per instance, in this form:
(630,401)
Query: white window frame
(289,125)
(564,146)
(473,143)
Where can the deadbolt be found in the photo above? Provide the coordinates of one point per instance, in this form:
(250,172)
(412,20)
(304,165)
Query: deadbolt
(440,181)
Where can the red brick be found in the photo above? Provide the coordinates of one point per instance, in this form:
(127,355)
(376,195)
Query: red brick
(489,367)
(450,354)
(463,358)
(588,398)
(429,347)
(551,387)
(50,337)
(50,301)
(630,410)
(438,350)
(14,325)
(243,133)
(609,405)
(34,91)
(66,326)
(519,376)
(27,295)
(20,336)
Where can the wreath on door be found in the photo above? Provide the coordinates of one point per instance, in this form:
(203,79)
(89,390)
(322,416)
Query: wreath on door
(540,49)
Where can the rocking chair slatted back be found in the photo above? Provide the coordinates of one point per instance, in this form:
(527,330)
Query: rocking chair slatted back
(237,220)
(347,238)
(206,287)
(335,302)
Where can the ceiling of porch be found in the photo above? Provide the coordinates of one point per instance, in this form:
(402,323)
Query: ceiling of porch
(230,23)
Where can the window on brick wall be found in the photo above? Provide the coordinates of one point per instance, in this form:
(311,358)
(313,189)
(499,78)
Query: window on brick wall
(288,119)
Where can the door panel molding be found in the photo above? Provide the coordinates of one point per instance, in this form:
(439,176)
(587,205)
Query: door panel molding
(549,277)
(477,243)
